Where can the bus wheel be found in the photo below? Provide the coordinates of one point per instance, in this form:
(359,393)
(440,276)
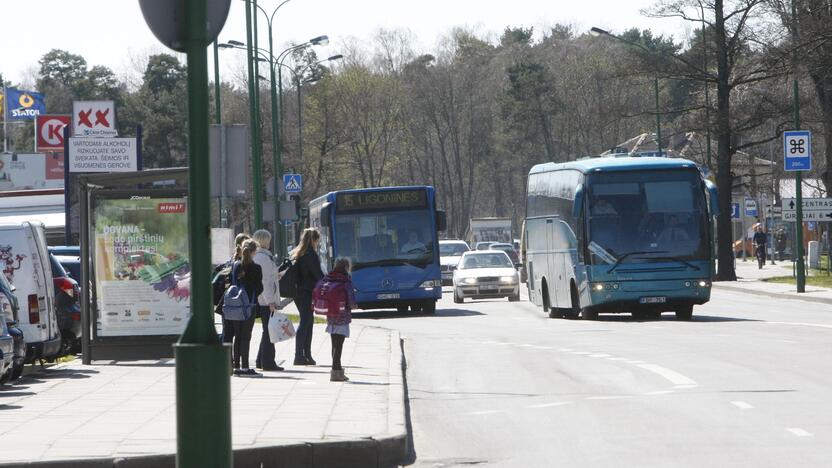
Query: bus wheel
(416,308)
(429,308)
(589,313)
(684,313)
(575,311)
(458,299)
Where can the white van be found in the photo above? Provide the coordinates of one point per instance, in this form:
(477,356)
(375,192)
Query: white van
(25,262)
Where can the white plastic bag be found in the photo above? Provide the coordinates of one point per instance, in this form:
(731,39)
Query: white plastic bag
(280,328)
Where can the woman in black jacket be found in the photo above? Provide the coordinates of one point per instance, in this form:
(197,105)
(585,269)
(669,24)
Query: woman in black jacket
(309,272)
(250,278)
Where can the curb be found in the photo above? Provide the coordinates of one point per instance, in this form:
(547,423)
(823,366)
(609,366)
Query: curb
(381,451)
(757,292)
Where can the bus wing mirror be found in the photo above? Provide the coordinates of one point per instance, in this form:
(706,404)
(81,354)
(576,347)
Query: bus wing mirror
(578,203)
(713,198)
(441,220)
(326,212)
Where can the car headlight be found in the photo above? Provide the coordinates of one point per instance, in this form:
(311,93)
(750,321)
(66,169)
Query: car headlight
(431,284)
(469,281)
(508,279)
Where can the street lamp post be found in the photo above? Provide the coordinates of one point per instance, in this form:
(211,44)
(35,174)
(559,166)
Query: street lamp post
(601,32)
(801,268)
(256,157)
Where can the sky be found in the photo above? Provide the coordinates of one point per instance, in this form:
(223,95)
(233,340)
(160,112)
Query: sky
(113,32)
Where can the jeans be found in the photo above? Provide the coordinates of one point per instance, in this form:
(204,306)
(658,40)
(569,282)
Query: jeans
(265,354)
(303,338)
(242,341)
(337,348)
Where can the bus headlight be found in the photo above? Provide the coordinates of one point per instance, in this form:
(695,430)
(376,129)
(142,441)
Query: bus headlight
(703,284)
(430,284)
(598,287)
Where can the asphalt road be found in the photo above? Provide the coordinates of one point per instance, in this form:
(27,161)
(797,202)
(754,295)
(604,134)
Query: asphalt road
(747,383)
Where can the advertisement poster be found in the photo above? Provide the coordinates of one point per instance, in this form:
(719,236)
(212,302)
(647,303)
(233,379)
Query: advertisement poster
(142,272)
(31,171)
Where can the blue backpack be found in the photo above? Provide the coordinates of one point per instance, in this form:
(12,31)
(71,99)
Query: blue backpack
(237,305)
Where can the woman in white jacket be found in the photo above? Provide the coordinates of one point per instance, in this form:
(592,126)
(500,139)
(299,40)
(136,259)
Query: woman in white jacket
(268,300)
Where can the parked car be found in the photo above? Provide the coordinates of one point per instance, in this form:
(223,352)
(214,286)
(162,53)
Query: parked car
(8,315)
(6,351)
(509,250)
(25,262)
(69,257)
(486,274)
(484,245)
(68,308)
(450,251)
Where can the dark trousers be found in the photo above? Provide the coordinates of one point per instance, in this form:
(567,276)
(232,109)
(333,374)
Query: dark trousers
(337,348)
(303,338)
(265,354)
(227,331)
(242,341)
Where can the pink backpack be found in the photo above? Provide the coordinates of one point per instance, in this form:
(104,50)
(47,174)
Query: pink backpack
(329,297)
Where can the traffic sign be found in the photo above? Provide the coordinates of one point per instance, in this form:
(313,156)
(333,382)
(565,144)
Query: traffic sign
(825,216)
(809,204)
(292,183)
(750,207)
(735,211)
(774,212)
(797,150)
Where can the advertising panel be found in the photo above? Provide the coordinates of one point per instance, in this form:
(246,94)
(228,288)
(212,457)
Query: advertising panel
(50,131)
(142,272)
(23,105)
(31,171)
(102,155)
(94,119)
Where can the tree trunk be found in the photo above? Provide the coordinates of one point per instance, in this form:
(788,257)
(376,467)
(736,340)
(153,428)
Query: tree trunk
(725,234)
(823,88)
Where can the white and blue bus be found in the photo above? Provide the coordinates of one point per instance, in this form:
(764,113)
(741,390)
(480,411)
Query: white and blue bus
(390,234)
(619,234)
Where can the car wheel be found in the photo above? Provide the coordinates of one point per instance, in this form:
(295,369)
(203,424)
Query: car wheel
(458,299)
(429,308)
(684,313)
(17,371)
(515,298)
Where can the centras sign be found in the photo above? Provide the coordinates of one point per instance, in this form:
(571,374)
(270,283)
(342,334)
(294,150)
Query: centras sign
(50,131)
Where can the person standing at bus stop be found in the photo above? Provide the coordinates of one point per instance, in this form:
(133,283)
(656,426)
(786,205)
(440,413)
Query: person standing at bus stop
(309,272)
(268,300)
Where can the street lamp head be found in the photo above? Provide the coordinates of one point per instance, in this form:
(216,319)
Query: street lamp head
(599,32)
(320,40)
(335,57)
(237,43)
(225,46)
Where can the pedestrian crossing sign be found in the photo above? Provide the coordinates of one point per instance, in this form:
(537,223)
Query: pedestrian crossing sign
(292,183)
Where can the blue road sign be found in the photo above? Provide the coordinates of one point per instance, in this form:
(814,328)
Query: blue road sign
(735,211)
(292,183)
(797,150)
(750,207)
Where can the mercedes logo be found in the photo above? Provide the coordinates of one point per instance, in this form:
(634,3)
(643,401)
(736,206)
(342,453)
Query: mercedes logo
(387,283)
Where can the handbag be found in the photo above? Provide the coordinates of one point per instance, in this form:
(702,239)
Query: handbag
(280,328)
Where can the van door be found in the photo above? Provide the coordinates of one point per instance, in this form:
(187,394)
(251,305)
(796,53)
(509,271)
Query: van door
(45,273)
(18,261)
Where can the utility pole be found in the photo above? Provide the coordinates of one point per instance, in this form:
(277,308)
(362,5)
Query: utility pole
(801,268)
(256,159)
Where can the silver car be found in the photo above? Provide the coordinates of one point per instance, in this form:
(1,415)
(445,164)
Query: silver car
(486,274)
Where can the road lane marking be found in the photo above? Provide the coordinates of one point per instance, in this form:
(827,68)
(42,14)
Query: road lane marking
(671,375)
(540,347)
(599,355)
(799,432)
(741,405)
(549,405)
(817,325)
(659,392)
(618,359)
(679,387)
(581,353)
(480,413)
(565,350)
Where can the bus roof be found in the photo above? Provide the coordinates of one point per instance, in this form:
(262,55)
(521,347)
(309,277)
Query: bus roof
(615,164)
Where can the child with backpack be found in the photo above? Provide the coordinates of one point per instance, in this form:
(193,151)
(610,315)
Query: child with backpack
(239,302)
(334,297)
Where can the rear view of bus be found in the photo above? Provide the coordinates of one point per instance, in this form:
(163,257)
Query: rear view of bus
(612,235)
(390,234)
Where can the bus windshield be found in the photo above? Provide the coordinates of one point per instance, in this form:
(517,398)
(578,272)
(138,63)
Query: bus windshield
(642,217)
(386,238)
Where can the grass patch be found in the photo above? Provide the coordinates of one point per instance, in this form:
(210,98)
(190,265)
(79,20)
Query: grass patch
(819,279)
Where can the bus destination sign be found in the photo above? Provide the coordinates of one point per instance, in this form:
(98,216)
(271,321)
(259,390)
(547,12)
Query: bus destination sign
(381,200)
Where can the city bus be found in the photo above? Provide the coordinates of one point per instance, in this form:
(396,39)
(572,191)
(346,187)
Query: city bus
(619,234)
(390,234)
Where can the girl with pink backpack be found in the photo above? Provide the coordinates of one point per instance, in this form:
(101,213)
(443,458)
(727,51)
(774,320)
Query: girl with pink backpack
(334,297)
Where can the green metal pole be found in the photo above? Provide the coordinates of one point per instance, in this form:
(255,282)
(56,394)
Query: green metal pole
(801,268)
(256,158)
(658,115)
(300,125)
(203,387)
(280,245)
(217,114)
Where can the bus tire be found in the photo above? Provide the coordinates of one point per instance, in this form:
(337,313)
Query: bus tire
(458,299)
(575,310)
(429,308)
(684,313)
(544,291)
(589,313)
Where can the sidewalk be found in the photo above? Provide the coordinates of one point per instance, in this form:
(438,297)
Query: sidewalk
(96,415)
(749,280)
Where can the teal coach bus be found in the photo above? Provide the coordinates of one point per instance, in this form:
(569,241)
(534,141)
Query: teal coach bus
(619,234)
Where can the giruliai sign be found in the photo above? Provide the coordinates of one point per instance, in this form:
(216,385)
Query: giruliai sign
(102,155)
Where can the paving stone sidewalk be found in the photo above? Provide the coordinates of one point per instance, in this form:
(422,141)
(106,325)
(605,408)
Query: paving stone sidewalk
(127,409)
(749,280)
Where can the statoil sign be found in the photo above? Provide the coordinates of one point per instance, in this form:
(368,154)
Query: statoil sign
(23,105)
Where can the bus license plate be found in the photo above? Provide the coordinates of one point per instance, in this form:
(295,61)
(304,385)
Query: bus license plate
(653,300)
(389,296)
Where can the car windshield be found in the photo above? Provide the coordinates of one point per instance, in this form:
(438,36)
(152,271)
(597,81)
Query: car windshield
(388,238)
(452,249)
(486,260)
(640,217)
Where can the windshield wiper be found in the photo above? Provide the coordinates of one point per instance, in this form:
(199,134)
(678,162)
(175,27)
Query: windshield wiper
(622,257)
(677,259)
